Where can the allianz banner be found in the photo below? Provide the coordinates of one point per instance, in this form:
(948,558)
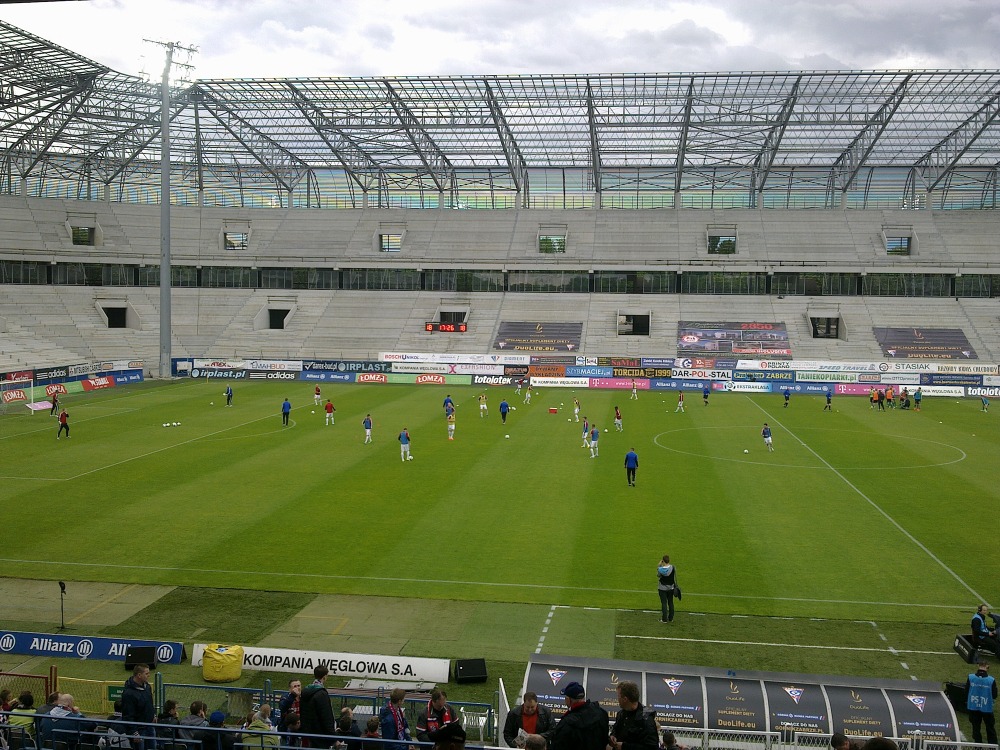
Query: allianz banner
(84,647)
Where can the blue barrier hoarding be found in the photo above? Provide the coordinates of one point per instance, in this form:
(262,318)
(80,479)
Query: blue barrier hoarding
(84,647)
(327,377)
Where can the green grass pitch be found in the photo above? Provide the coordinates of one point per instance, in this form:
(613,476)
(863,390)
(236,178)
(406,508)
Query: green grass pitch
(863,518)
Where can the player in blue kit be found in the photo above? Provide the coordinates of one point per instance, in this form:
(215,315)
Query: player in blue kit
(594,435)
(404,446)
(504,408)
(766,434)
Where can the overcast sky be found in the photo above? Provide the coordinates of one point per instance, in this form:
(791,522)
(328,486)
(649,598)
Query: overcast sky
(311,38)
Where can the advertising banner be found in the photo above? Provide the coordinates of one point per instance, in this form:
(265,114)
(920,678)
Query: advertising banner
(546,680)
(323,376)
(492,380)
(679,700)
(220,364)
(663,362)
(700,374)
(926,715)
(517,371)
(938,379)
(51,373)
(290,365)
(13,395)
(602,686)
(641,372)
(84,647)
(196,372)
(546,371)
(337,365)
(624,384)
(95,384)
(795,707)
(924,343)
(859,711)
(427,379)
(526,336)
(447,369)
(992,391)
(560,382)
(589,371)
(735,704)
(745,387)
(619,361)
(716,698)
(409,669)
(753,375)
(20,376)
(456,359)
(678,384)
(371,377)
(711,338)
(832,377)
(273,375)
(538,359)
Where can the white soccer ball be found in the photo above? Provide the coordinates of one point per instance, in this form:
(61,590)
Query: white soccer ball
(513,408)
(177,424)
(506,437)
(568,419)
(165,424)
(313,411)
(746,451)
(211,403)
(605,429)
(409,457)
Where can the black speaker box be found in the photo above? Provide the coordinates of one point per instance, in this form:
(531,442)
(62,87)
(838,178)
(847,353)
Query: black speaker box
(470,670)
(140,655)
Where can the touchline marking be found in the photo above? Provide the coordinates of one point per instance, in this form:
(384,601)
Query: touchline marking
(545,629)
(780,645)
(978,597)
(497,584)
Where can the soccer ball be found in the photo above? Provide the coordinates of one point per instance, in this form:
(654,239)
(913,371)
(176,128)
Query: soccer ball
(165,424)
(313,411)
(568,419)
(506,437)
(211,403)
(746,451)
(513,408)
(409,457)
(177,424)
(605,429)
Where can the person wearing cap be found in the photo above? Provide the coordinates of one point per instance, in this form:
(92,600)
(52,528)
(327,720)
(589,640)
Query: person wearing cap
(315,710)
(584,726)
(215,740)
(982,690)
(436,714)
(635,727)
(451,736)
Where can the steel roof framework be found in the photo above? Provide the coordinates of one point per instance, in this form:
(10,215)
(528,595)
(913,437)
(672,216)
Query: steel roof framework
(72,127)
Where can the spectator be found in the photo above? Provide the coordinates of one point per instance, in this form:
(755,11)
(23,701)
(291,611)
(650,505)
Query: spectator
(392,722)
(317,713)
(528,718)
(259,732)
(22,716)
(137,703)
(534,742)
(293,725)
(371,732)
(59,720)
(584,726)
(115,736)
(194,720)
(880,743)
(670,742)
(212,737)
(449,737)
(167,720)
(635,727)
(6,699)
(347,731)
(436,714)
(289,703)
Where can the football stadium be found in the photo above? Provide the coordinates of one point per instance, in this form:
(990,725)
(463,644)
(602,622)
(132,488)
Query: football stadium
(497,386)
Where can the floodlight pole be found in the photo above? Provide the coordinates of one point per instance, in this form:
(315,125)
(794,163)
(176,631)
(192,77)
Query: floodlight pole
(165,288)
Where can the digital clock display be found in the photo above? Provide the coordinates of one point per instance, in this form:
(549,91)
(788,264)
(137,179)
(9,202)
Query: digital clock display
(446,327)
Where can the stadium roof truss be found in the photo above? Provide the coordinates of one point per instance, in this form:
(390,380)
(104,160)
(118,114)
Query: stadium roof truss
(70,127)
